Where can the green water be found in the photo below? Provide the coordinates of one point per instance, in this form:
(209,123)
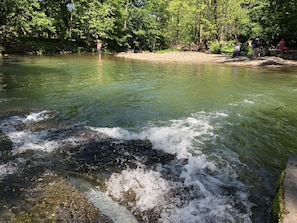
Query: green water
(117,92)
(256,134)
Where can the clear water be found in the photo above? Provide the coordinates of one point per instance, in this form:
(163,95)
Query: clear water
(230,128)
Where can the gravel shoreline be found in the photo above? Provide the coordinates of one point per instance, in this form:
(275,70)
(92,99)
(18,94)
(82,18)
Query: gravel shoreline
(198,57)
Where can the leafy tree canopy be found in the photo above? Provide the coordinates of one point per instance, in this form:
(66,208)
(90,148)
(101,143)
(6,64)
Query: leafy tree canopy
(148,24)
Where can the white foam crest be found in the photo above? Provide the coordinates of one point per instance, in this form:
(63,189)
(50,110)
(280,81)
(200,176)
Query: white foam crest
(210,201)
(214,191)
(246,101)
(37,116)
(26,139)
(11,124)
(176,137)
(7,169)
(199,210)
(74,141)
(26,136)
(116,132)
(147,188)
(45,146)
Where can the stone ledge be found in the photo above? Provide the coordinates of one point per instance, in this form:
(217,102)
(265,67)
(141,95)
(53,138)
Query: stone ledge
(290,191)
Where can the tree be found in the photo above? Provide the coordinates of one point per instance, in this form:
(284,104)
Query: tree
(147,24)
(23,18)
(92,20)
(60,14)
(143,24)
(280,19)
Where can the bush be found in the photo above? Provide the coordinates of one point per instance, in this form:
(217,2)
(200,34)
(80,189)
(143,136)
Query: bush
(245,49)
(228,48)
(222,48)
(215,47)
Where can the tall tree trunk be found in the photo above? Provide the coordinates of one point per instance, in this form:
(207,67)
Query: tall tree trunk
(215,14)
(177,27)
(70,22)
(201,34)
(125,22)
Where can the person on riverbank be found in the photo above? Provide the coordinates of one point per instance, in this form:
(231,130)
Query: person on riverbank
(256,48)
(4,54)
(282,46)
(236,49)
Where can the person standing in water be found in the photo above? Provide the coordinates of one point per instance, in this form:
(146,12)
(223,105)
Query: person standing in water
(99,47)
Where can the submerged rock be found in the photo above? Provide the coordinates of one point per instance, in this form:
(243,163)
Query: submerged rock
(111,155)
(5,145)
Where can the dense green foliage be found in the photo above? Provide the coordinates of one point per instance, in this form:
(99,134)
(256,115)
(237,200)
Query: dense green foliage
(145,24)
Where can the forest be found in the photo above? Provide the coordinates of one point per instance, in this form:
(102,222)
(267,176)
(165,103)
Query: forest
(151,25)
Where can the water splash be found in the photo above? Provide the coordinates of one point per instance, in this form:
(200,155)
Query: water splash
(192,187)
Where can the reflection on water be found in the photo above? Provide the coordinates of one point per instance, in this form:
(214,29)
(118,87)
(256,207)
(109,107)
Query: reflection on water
(173,142)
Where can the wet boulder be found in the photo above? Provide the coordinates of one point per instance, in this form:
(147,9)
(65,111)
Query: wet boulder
(112,155)
(5,143)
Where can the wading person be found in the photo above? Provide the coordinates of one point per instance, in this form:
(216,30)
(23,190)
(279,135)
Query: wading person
(99,47)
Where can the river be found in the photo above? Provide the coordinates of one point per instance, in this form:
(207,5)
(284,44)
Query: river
(218,136)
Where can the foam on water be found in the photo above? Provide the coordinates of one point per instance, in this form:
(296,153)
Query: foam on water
(173,137)
(146,187)
(244,102)
(38,116)
(21,132)
(6,169)
(24,138)
(193,188)
(209,191)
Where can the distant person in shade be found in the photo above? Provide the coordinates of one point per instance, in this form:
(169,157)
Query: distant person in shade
(4,54)
(256,48)
(282,46)
(236,49)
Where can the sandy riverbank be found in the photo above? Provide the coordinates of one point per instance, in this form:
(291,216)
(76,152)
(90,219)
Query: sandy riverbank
(198,57)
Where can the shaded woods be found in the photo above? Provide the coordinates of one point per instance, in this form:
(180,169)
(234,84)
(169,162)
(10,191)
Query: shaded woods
(75,25)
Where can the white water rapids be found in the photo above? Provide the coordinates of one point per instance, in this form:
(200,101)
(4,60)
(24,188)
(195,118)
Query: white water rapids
(192,188)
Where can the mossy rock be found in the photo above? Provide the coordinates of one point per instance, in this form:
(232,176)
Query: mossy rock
(278,210)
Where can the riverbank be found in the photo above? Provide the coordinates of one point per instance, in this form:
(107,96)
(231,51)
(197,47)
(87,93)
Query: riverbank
(199,57)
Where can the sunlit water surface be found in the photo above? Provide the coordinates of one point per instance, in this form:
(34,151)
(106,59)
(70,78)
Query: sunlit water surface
(231,129)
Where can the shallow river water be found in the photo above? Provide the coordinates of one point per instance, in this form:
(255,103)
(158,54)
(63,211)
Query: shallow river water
(221,134)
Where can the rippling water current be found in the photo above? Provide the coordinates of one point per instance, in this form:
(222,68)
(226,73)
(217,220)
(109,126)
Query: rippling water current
(188,142)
